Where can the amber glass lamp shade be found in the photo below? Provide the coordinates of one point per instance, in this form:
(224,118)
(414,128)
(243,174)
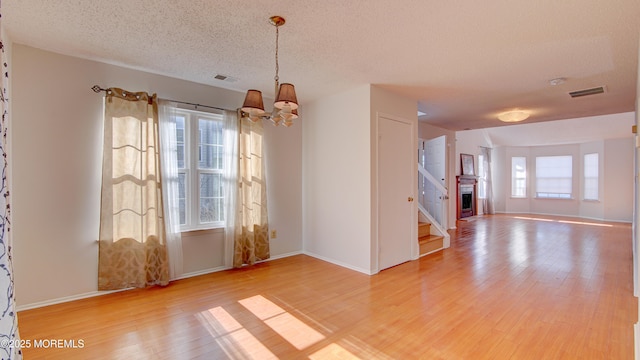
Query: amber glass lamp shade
(253,102)
(286,96)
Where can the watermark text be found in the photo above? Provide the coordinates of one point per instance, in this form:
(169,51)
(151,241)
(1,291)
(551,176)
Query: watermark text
(42,343)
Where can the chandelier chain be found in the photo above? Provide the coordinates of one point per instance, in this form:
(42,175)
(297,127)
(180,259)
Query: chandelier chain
(277,78)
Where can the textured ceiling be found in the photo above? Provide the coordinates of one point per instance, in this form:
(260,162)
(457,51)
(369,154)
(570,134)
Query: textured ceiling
(462,61)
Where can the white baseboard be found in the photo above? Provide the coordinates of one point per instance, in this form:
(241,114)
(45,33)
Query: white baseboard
(335,262)
(100,293)
(201,272)
(286,255)
(223,268)
(66,299)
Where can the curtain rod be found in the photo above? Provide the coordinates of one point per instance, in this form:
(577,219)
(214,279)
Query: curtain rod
(98,89)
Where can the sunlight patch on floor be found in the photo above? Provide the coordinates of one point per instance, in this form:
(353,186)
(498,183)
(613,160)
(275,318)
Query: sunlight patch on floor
(233,338)
(296,332)
(260,307)
(584,223)
(333,351)
(564,221)
(221,321)
(530,218)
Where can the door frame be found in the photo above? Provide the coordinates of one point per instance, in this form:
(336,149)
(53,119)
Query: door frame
(375,223)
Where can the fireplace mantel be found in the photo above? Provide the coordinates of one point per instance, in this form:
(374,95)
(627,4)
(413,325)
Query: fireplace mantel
(467,196)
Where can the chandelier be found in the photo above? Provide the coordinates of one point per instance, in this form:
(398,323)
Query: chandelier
(285,108)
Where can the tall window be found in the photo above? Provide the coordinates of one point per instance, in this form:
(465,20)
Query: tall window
(482,181)
(519,176)
(200,152)
(591,176)
(554,177)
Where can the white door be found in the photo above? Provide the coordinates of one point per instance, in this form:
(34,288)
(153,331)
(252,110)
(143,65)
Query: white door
(435,163)
(435,157)
(396,173)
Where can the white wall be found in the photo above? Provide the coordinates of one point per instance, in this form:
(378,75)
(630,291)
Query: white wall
(501,185)
(636,202)
(561,132)
(56,175)
(502,171)
(615,185)
(619,179)
(384,102)
(57,137)
(595,209)
(339,174)
(337,179)
(616,169)
(387,102)
(608,135)
(468,142)
(284,181)
(636,213)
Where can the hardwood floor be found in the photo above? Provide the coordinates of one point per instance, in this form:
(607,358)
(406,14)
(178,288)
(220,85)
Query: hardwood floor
(508,288)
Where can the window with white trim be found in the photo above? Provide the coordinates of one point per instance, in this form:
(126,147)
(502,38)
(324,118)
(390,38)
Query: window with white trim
(200,169)
(554,177)
(518,177)
(591,176)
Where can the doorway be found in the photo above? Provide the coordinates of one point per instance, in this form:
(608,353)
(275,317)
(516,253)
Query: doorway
(435,155)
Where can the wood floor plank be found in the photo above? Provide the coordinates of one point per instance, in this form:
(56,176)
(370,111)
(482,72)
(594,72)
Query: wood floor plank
(509,287)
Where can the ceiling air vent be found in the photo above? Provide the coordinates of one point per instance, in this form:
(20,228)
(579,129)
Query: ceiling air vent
(225,78)
(585,92)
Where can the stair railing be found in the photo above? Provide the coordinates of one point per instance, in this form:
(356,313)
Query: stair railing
(429,186)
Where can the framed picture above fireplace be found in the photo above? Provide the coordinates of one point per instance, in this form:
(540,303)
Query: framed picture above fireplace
(466,164)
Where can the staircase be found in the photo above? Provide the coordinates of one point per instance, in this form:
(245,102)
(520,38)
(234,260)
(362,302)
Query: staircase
(428,242)
(432,201)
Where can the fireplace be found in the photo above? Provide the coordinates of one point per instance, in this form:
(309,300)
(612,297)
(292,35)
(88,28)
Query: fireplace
(467,195)
(466,203)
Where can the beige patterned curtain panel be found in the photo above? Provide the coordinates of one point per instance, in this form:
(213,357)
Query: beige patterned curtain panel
(251,238)
(133,250)
(487,202)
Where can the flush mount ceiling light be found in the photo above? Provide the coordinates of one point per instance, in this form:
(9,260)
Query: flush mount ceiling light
(557,81)
(285,108)
(513,115)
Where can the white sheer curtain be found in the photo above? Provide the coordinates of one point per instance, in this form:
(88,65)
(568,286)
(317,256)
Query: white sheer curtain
(230,182)
(169,174)
(487,202)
